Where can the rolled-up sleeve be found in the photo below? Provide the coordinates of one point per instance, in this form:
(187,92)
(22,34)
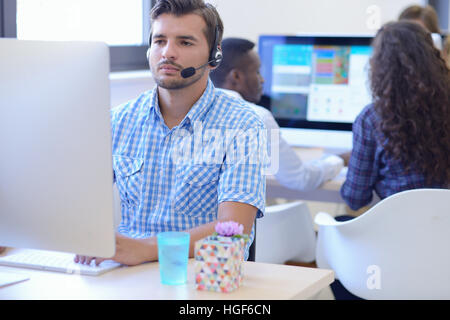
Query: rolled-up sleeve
(242,176)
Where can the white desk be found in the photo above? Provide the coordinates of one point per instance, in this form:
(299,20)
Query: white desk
(261,282)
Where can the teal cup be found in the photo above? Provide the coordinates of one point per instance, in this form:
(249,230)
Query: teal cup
(173,254)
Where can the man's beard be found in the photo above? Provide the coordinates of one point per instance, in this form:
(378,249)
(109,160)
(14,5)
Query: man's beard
(179,83)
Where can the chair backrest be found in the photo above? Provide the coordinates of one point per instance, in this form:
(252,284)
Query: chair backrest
(399,249)
(286,232)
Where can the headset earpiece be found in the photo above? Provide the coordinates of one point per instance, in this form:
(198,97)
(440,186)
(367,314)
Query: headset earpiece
(215,55)
(217,58)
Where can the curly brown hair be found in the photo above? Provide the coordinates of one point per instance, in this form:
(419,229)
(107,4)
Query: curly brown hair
(410,85)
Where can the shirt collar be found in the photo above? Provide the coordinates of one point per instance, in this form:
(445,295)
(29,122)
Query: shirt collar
(203,104)
(232,93)
(197,110)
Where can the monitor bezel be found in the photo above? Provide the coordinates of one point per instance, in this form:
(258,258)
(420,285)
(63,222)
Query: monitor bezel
(365,40)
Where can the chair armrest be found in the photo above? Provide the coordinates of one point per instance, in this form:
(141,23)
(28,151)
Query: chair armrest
(325,219)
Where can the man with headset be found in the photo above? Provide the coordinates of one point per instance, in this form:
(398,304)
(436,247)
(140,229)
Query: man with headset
(184,154)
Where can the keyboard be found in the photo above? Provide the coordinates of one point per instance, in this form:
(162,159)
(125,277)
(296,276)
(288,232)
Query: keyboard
(55,261)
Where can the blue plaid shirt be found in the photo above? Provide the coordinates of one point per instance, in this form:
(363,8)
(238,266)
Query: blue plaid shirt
(371,169)
(174,179)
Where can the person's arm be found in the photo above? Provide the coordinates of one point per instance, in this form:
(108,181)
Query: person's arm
(357,190)
(292,172)
(131,251)
(241,185)
(241,213)
(2,249)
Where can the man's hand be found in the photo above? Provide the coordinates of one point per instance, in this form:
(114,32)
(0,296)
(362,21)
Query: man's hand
(129,252)
(2,249)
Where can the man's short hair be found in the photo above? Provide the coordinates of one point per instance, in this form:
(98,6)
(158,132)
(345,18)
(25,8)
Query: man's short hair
(182,7)
(233,50)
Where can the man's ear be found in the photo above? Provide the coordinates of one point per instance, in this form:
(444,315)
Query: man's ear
(234,77)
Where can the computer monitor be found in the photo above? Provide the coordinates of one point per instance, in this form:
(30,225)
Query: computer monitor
(315,86)
(55,139)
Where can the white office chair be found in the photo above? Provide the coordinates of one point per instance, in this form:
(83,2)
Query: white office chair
(399,249)
(286,232)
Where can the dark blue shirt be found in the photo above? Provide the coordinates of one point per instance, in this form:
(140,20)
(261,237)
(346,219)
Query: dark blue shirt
(371,169)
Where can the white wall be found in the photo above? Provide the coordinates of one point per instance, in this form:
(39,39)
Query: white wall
(250,18)
(129,85)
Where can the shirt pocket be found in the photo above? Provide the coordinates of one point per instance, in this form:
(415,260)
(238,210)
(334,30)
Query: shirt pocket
(196,190)
(128,172)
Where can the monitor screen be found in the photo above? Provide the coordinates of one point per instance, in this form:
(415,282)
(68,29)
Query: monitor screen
(315,82)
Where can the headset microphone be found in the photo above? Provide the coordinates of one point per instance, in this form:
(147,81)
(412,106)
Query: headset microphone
(189,72)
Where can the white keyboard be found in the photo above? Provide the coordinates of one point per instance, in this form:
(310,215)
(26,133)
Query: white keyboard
(55,261)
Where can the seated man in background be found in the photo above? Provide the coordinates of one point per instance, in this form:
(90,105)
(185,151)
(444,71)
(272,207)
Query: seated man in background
(238,75)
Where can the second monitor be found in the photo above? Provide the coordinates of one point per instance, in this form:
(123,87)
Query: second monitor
(315,86)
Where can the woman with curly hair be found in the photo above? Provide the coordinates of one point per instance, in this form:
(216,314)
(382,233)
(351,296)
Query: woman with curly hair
(402,140)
